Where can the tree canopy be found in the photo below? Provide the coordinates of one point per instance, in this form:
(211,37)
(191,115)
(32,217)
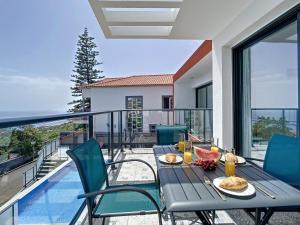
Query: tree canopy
(85,71)
(26,141)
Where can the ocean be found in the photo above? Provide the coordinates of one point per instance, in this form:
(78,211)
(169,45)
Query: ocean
(22,114)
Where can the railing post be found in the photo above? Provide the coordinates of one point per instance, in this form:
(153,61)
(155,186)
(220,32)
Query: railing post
(121,130)
(190,112)
(32,173)
(13,214)
(168,117)
(25,180)
(35,171)
(130,139)
(204,124)
(283,121)
(112,138)
(298,122)
(91,128)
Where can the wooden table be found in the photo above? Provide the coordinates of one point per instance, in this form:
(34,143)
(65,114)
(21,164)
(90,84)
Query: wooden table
(184,190)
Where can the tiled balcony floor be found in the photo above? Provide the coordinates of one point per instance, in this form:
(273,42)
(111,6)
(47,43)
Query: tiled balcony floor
(128,173)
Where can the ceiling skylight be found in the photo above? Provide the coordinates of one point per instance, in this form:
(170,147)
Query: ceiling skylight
(140,30)
(140,14)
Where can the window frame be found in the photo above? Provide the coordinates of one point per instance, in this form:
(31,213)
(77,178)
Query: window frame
(282,21)
(201,87)
(127,113)
(162,101)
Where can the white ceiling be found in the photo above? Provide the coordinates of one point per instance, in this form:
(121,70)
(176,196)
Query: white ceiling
(171,19)
(204,66)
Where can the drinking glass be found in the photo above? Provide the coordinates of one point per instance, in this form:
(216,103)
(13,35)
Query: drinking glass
(188,155)
(181,143)
(229,164)
(214,148)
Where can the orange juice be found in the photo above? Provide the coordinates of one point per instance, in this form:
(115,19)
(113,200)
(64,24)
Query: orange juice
(181,146)
(187,157)
(229,168)
(214,149)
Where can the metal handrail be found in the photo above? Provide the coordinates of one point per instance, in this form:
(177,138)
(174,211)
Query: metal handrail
(18,121)
(274,108)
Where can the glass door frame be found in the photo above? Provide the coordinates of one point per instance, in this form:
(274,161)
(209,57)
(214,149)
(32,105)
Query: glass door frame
(237,77)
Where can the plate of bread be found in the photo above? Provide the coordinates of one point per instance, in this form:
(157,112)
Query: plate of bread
(237,186)
(170,158)
(231,157)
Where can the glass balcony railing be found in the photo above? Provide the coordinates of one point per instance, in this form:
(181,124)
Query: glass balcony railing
(269,121)
(53,135)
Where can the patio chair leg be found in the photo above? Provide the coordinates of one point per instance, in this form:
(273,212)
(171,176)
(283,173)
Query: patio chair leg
(103,220)
(172,218)
(90,218)
(159,219)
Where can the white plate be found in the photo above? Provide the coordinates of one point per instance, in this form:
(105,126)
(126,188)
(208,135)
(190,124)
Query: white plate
(241,160)
(249,191)
(162,158)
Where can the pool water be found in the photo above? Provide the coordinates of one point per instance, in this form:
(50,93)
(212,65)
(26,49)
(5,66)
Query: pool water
(54,201)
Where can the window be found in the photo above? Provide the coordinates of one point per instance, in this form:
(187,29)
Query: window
(167,102)
(134,118)
(204,96)
(202,119)
(87,104)
(266,86)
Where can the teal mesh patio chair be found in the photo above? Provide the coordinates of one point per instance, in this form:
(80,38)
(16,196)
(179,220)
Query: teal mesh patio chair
(282,159)
(169,135)
(105,200)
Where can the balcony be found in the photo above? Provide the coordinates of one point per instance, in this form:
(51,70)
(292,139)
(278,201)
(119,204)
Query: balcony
(122,134)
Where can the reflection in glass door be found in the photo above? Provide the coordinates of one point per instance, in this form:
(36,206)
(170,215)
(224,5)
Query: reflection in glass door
(269,93)
(202,120)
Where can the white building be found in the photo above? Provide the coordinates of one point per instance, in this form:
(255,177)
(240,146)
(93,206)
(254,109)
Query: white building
(132,92)
(255,49)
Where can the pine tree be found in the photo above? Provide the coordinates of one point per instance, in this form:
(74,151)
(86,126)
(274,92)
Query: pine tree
(85,71)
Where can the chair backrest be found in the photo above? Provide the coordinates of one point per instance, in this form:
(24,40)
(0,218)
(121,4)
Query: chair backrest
(91,166)
(282,159)
(169,135)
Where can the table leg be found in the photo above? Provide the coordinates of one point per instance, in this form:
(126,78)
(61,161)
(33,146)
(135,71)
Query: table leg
(204,219)
(264,220)
(257,216)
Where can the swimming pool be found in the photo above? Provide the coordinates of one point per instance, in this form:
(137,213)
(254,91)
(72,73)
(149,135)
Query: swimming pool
(54,201)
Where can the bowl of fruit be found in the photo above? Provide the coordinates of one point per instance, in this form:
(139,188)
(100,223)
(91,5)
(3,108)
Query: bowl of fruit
(206,159)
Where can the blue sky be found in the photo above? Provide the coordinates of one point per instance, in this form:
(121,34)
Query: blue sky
(37,46)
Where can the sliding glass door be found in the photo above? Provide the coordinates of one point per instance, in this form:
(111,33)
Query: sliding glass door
(266,87)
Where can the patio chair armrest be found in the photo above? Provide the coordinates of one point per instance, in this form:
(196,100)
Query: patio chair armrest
(134,160)
(122,189)
(254,159)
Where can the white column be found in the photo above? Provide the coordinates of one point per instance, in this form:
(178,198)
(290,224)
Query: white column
(222,95)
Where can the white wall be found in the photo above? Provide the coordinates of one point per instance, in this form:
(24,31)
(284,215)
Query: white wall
(185,87)
(107,99)
(257,15)
(185,91)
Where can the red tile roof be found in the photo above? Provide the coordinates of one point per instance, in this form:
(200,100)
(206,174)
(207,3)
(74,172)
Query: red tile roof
(138,80)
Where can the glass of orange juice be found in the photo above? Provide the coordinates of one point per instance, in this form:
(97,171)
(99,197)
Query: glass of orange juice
(181,143)
(229,165)
(187,155)
(214,148)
